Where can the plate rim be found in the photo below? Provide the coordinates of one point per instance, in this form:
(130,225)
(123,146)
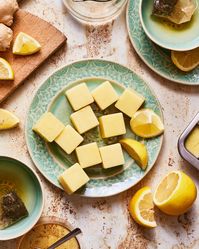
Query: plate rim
(42,200)
(180,82)
(26,125)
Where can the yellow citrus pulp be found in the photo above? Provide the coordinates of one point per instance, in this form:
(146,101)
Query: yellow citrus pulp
(7,120)
(146,123)
(136,150)
(175,194)
(6,71)
(25,45)
(141,208)
(186,60)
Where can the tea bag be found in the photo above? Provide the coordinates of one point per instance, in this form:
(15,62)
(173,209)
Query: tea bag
(12,209)
(176,11)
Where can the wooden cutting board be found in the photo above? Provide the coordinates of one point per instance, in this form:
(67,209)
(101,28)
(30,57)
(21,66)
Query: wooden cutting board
(50,39)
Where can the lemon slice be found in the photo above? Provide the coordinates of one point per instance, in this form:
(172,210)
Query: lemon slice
(141,208)
(175,194)
(187,60)
(7,120)
(6,72)
(146,123)
(136,150)
(25,45)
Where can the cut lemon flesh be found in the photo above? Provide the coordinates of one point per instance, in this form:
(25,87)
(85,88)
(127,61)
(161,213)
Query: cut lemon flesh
(25,45)
(146,123)
(141,208)
(7,120)
(187,60)
(175,194)
(136,150)
(6,72)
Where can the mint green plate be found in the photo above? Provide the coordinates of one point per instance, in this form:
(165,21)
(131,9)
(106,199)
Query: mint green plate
(167,35)
(52,161)
(28,186)
(156,57)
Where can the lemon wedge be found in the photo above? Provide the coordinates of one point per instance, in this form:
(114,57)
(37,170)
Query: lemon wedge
(141,208)
(175,194)
(146,123)
(187,60)
(136,150)
(7,120)
(6,72)
(25,45)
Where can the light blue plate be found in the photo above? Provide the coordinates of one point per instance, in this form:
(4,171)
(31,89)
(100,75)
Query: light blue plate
(156,57)
(167,35)
(52,161)
(14,175)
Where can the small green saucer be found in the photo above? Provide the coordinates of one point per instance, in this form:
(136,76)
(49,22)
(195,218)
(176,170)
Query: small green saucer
(14,175)
(167,35)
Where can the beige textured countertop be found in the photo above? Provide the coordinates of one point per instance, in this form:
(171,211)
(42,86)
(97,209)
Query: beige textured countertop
(105,222)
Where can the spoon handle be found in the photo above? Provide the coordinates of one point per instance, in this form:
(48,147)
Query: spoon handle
(65,238)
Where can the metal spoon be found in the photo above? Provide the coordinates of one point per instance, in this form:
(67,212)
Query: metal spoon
(67,237)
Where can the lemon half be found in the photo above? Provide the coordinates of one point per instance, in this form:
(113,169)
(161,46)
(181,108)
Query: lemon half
(25,45)
(146,123)
(141,208)
(186,60)
(7,120)
(6,72)
(175,194)
(136,150)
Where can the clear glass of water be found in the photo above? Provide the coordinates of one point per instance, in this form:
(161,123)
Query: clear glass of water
(95,12)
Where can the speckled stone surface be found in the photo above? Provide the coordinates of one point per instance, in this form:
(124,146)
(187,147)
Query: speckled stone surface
(105,222)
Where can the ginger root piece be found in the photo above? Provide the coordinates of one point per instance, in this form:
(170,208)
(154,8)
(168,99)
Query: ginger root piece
(6,36)
(7,10)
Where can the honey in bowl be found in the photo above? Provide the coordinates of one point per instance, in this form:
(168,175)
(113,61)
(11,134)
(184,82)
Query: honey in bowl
(45,234)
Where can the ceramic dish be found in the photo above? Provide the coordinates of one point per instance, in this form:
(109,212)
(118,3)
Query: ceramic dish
(36,238)
(52,161)
(13,172)
(179,38)
(157,58)
(184,152)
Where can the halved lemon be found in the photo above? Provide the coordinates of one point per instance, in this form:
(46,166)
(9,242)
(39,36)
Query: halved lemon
(186,60)
(25,45)
(136,150)
(7,120)
(175,194)
(6,72)
(141,208)
(146,123)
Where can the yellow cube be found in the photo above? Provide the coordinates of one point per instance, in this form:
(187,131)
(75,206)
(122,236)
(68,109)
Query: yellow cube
(112,125)
(69,139)
(129,102)
(48,127)
(105,95)
(79,96)
(88,155)
(73,178)
(111,155)
(84,119)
